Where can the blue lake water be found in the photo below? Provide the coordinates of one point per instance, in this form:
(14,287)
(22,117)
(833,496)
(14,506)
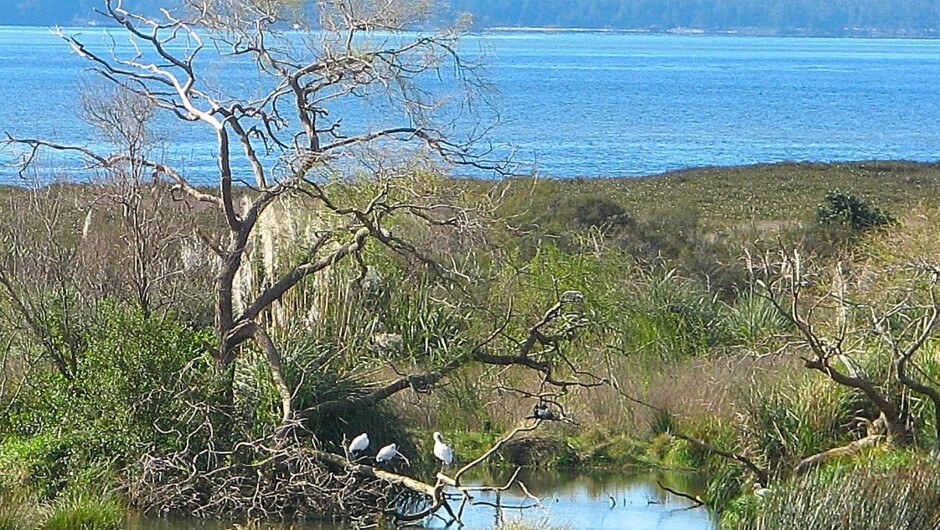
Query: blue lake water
(600,104)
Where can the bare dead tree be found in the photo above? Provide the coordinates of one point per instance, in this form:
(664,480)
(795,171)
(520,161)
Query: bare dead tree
(835,327)
(292,143)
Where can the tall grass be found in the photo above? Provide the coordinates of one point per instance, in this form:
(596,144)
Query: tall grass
(752,319)
(790,420)
(18,511)
(85,511)
(862,498)
(668,317)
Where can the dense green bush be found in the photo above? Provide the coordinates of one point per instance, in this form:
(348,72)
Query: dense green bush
(134,377)
(846,209)
(38,464)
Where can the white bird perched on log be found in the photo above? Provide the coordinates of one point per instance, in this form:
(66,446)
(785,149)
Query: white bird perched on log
(389,452)
(359,444)
(442,451)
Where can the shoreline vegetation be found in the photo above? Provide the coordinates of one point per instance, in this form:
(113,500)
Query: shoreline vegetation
(683,285)
(689,31)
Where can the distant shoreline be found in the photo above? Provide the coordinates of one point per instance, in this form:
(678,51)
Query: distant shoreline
(847,33)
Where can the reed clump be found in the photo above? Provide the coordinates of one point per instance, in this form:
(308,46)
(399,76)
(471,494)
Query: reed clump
(86,511)
(849,498)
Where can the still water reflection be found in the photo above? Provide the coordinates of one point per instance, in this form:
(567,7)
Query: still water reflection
(574,500)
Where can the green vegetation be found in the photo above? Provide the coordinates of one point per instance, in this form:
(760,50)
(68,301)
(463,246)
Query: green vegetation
(843,208)
(900,496)
(85,511)
(657,322)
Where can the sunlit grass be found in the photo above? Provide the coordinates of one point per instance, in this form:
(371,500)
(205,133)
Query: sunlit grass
(86,511)
(850,498)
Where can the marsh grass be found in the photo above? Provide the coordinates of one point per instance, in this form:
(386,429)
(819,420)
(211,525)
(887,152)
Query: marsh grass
(853,498)
(525,524)
(795,419)
(750,320)
(730,195)
(85,510)
(18,511)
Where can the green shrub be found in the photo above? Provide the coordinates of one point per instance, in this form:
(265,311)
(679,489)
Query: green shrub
(600,212)
(38,464)
(846,209)
(134,378)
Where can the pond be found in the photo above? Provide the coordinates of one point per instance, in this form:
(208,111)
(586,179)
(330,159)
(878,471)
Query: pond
(574,500)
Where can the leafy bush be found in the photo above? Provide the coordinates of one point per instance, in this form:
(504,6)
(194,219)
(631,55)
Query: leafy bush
(38,464)
(600,212)
(133,379)
(844,208)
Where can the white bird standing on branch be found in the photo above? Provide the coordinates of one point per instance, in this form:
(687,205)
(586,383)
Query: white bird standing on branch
(359,444)
(387,453)
(442,451)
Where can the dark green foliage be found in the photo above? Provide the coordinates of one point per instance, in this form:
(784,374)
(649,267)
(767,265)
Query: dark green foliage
(846,209)
(38,464)
(133,381)
(600,213)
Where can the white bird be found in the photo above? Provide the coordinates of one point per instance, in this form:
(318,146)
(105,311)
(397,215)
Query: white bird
(386,453)
(442,451)
(760,490)
(389,452)
(359,444)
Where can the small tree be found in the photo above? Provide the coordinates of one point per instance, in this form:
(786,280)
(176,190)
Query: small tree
(846,209)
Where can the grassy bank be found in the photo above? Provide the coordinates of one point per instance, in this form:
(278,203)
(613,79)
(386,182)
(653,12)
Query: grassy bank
(667,321)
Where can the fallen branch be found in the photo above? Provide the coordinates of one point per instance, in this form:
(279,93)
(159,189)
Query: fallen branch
(697,500)
(496,447)
(847,450)
(762,476)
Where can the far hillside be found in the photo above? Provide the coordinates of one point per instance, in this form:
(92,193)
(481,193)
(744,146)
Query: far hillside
(770,17)
(912,18)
